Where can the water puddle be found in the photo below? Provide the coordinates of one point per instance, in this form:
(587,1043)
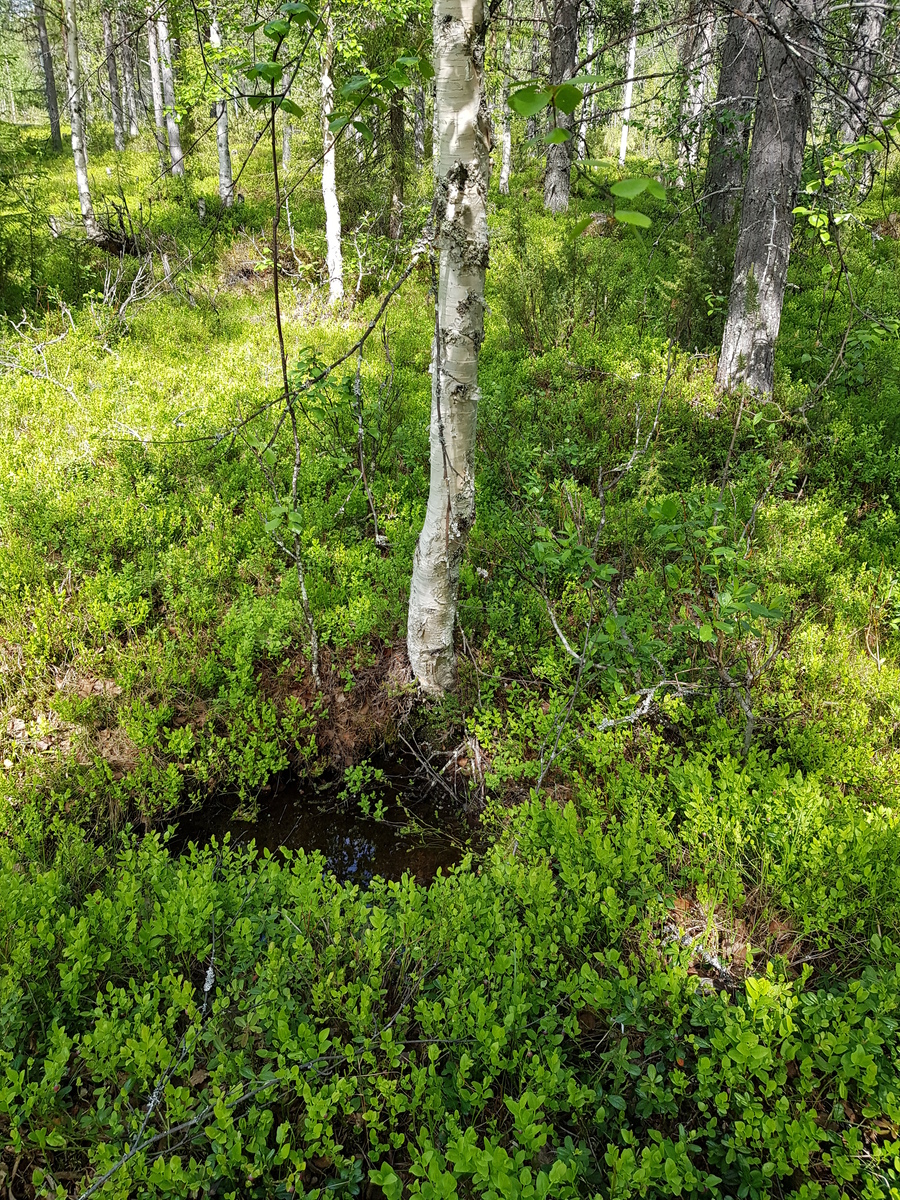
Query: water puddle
(416,831)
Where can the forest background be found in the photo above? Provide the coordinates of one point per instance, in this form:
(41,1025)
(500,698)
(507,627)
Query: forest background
(258,270)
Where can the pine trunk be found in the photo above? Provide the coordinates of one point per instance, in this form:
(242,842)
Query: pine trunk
(226,185)
(462,173)
(866,44)
(128,74)
(115,99)
(773,179)
(173,133)
(75,105)
(333,255)
(730,137)
(49,78)
(563,57)
(159,123)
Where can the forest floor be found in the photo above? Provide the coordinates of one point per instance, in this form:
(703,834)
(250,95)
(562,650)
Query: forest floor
(676,967)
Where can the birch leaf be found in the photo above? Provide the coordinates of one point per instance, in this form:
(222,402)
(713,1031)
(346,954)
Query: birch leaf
(528,101)
(556,136)
(627,217)
(567,97)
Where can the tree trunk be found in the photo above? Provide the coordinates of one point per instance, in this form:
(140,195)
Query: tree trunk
(773,178)
(49,78)
(537,13)
(397,138)
(226,186)
(159,125)
(629,85)
(866,43)
(462,172)
(128,73)
(696,60)
(419,126)
(173,133)
(730,138)
(286,132)
(115,99)
(75,105)
(563,57)
(505,125)
(333,256)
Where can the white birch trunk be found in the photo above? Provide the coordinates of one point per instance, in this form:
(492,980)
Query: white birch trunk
(629,86)
(128,73)
(419,126)
(226,185)
(461,237)
(286,143)
(537,16)
(333,256)
(75,105)
(866,44)
(505,125)
(697,59)
(159,121)
(115,99)
(173,133)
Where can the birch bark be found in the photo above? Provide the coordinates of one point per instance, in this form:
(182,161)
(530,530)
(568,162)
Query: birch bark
(173,133)
(460,227)
(773,179)
(730,138)
(49,78)
(866,44)
(419,126)
(75,105)
(505,126)
(333,255)
(226,185)
(128,74)
(159,122)
(563,57)
(629,85)
(115,98)
(397,138)
(696,62)
(537,15)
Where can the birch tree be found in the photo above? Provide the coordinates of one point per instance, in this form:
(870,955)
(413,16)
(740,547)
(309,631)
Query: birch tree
(49,78)
(75,105)
(730,138)
(696,65)
(112,73)
(173,134)
(129,70)
(159,123)
(226,185)
(563,57)
(333,255)
(866,42)
(773,179)
(505,125)
(396,141)
(629,84)
(462,171)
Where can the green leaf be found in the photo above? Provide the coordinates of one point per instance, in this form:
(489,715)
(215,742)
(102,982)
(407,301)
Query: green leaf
(627,189)
(398,78)
(362,128)
(426,70)
(705,633)
(633,218)
(297,9)
(580,80)
(656,189)
(271,72)
(257,102)
(580,226)
(336,124)
(567,97)
(557,136)
(277,29)
(253,28)
(528,101)
(353,85)
(289,106)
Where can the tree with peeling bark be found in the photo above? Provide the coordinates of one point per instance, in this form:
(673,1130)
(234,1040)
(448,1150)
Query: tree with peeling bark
(159,120)
(460,231)
(696,66)
(129,71)
(505,126)
(730,138)
(167,76)
(220,109)
(628,94)
(75,105)
(49,78)
(563,58)
(333,253)
(866,43)
(755,301)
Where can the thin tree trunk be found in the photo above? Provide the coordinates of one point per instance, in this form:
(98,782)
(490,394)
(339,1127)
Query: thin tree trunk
(75,105)
(773,178)
(563,57)
(115,99)
(629,85)
(866,44)
(333,256)
(531,125)
(226,186)
(159,123)
(419,126)
(730,137)
(397,139)
(461,237)
(588,109)
(49,78)
(696,58)
(173,133)
(128,74)
(505,125)
(286,143)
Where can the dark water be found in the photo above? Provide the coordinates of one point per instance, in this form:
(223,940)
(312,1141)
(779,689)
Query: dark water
(417,833)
